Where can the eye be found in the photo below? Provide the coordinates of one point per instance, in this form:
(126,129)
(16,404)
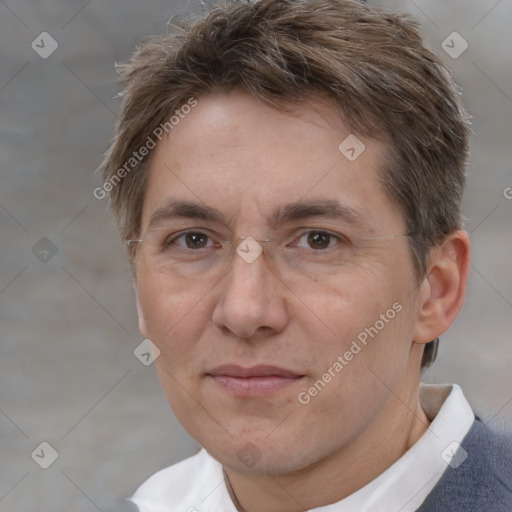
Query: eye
(190,239)
(318,239)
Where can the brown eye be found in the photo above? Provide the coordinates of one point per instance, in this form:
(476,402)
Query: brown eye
(195,240)
(319,239)
(187,240)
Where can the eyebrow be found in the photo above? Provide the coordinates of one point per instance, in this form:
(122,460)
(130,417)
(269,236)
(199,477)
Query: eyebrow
(323,208)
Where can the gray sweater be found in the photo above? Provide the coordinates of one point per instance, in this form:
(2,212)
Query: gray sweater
(482,483)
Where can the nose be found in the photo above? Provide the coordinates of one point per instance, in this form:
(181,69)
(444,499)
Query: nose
(252,300)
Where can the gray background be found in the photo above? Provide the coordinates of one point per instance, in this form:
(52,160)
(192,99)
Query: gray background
(68,375)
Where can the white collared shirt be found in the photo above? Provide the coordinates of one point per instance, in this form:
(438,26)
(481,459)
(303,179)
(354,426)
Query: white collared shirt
(197,484)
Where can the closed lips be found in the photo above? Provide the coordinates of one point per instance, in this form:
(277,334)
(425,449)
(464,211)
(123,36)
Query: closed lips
(255,371)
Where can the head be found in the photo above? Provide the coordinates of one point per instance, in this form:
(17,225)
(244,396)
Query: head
(242,111)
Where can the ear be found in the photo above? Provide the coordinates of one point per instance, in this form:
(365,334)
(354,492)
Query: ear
(443,290)
(140,314)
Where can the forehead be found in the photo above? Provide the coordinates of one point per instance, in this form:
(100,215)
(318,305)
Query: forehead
(246,160)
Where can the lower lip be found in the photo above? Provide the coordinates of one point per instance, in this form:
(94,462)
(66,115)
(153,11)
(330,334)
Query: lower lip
(254,386)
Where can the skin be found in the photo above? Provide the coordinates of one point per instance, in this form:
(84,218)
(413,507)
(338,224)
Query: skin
(243,158)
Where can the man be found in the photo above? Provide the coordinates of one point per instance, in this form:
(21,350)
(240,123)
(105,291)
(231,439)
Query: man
(287,176)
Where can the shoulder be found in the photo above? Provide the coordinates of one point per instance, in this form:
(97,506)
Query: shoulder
(479,477)
(177,486)
(490,451)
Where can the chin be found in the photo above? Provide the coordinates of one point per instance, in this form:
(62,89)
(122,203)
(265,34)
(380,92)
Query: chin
(254,454)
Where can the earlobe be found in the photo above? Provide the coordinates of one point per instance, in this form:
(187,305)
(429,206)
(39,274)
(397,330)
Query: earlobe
(443,290)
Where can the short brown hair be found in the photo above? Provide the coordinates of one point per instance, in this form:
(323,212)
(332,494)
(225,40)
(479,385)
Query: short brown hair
(369,63)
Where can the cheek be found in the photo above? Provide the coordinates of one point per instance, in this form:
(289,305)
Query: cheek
(366,319)
(181,396)
(352,378)
(173,318)
(348,304)
(172,315)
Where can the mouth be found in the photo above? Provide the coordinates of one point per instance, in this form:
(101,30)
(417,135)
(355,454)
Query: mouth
(255,381)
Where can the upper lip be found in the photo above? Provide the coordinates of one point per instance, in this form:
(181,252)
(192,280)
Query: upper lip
(232,370)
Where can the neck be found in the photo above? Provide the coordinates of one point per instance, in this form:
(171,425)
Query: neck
(342,473)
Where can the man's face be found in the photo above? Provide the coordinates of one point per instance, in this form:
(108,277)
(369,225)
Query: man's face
(244,159)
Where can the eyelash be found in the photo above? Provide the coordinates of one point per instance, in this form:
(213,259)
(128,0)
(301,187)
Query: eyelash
(170,241)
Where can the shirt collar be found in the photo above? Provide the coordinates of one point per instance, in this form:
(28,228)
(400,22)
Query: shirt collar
(404,485)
